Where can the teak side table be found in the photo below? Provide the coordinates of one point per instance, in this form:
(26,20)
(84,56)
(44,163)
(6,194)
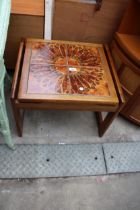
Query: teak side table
(66,75)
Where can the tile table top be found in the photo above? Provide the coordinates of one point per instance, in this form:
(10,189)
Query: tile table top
(54,68)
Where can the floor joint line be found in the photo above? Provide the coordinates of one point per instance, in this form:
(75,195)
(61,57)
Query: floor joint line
(104,159)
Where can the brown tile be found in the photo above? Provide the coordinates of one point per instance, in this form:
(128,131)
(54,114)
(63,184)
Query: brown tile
(88,80)
(83,55)
(48,80)
(48,54)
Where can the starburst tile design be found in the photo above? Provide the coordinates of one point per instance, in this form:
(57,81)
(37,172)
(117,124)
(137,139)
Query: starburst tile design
(57,68)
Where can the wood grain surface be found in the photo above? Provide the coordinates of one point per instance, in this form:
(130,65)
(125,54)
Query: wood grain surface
(28,7)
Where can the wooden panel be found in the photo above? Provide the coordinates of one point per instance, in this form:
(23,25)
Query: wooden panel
(130,45)
(132,109)
(17,74)
(130,80)
(28,7)
(71,19)
(96,27)
(63,106)
(130,23)
(135,114)
(21,26)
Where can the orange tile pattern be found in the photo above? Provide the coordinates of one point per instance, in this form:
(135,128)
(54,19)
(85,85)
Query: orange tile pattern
(57,68)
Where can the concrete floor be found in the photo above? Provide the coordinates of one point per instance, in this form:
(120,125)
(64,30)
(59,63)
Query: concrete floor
(53,127)
(116,192)
(120,192)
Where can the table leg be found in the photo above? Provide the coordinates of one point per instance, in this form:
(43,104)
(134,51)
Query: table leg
(103,124)
(18,117)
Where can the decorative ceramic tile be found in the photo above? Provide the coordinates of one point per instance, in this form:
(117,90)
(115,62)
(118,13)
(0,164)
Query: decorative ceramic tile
(57,68)
(49,79)
(43,53)
(83,55)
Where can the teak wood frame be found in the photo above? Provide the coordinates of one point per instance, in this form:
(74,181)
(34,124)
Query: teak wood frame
(19,106)
(109,102)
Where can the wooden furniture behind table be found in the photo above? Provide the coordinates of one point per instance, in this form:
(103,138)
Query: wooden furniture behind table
(66,76)
(27,20)
(78,20)
(126,53)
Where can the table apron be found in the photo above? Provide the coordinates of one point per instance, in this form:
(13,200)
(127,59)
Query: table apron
(59,106)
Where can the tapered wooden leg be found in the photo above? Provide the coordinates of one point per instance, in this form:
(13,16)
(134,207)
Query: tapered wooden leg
(18,117)
(103,124)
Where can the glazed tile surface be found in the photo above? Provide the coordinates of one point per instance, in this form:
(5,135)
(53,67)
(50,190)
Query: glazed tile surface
(66,69)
